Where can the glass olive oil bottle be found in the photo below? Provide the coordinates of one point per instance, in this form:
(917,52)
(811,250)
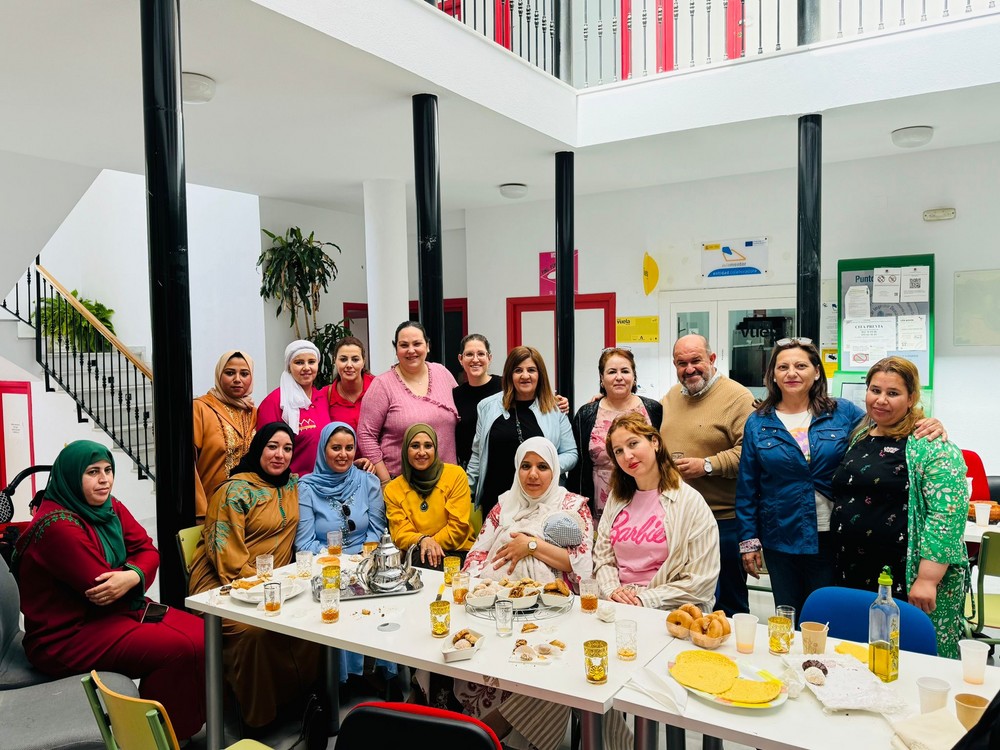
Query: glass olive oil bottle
(883,631)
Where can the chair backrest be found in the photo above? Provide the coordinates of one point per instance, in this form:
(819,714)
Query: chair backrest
(123,720)
(975,469)
(187,542)
(847,612)
(400,724)
(10,608)
(988,564)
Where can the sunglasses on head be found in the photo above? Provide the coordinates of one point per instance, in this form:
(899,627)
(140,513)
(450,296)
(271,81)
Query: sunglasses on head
(791,341)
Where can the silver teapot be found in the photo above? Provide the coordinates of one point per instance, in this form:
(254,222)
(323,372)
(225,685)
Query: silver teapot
(381,571)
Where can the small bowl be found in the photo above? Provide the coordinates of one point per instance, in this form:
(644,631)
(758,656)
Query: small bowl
(678,631)
(522,602)
(555,600)
(451,653)
(480,601)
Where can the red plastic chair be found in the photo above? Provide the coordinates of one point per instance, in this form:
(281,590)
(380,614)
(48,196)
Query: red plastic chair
(378,724)
(976,470)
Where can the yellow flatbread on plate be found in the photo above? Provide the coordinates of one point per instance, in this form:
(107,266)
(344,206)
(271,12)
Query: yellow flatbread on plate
(752,691)
(705,671)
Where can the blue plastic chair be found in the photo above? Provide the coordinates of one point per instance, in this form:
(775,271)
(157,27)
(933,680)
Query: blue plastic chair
(847,612)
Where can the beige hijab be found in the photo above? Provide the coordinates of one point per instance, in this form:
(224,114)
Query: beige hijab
(245,403)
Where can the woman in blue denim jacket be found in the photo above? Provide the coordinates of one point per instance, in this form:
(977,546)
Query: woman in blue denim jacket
(792,444)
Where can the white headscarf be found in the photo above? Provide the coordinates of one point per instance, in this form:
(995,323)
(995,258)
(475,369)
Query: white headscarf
(292,396)
(515,505)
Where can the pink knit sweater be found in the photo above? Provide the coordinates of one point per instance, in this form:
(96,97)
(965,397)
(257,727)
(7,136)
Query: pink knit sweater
(389,408)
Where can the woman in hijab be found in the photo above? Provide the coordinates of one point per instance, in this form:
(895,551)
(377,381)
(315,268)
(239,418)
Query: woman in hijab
(224,420)
(511,543)
(82,568)
(338,495)
(256,512)
(299,404)
(429,504)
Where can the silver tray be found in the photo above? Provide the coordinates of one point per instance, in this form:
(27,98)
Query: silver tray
(536,611)
(353,591)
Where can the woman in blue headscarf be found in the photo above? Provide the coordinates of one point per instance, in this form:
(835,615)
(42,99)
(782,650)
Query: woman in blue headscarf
(339,495)
(83,568)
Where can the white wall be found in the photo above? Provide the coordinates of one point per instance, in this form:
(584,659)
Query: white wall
(101,250)
(870,207)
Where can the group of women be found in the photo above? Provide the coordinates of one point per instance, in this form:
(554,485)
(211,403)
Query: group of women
(830,494)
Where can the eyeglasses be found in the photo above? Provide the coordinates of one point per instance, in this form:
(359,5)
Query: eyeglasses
(790,341)
(476,355)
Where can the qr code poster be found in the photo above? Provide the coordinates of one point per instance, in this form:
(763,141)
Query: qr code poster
(915,284)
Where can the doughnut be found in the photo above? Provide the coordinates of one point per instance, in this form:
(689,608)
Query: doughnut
(709,626)
(680,617)
(724,622)
(692,609)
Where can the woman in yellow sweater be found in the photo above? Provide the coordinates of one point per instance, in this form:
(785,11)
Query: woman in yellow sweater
(429,504)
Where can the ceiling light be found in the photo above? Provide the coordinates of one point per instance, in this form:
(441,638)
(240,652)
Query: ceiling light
(913,137)
(196,88)
(513,190)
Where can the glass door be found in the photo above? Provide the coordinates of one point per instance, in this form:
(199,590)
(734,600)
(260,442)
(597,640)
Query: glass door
(749,334)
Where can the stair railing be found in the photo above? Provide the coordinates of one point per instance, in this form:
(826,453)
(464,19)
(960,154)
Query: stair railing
(108,382)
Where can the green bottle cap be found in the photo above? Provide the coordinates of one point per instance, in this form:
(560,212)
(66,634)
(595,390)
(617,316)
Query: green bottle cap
(885,578)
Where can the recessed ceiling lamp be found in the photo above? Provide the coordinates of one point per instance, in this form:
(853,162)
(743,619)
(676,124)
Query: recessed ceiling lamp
(912,137)
(513,190)
(196,88)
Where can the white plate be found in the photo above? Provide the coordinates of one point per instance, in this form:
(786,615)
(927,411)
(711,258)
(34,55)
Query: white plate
(451,653)
(555,600)
(747,672)
(290,589)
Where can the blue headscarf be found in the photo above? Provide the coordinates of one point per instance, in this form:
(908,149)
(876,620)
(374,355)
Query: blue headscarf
(324,481)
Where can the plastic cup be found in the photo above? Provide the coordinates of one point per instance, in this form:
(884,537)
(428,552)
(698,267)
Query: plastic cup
(969,708)
(589,591)
(265,566)
(304,564)
(626,640)
(974,655)
(745,627)
(503,614)
(595,659)
(982,513)
(813,637)
(933,694)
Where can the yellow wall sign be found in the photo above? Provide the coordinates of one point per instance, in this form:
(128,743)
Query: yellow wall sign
(638,330)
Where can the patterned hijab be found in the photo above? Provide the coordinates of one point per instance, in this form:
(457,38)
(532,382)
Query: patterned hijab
(515,505)
(293,397)
(245,403)
(339,486)
(426,480)
(250,463)
(66,488)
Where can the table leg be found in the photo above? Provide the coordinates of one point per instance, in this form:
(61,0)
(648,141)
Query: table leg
(331,673)
(592,730)
(676,739)
(215,728)
(710,743)
(646,733)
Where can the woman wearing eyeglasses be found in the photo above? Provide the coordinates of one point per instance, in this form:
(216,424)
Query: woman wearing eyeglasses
(592,474)
(339,495)
(792,444)
(475,359)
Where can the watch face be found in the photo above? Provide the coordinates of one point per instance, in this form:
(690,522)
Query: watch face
(532,545)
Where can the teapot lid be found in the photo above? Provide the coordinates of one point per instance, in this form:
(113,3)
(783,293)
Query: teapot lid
(385,545)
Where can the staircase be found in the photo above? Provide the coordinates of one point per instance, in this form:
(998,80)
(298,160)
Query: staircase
(109,382)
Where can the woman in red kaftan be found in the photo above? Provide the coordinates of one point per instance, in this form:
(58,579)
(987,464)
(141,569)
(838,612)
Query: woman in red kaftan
(82,569)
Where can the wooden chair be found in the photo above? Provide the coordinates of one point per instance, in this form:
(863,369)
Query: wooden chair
(128,723)
(405,724)
(187,543)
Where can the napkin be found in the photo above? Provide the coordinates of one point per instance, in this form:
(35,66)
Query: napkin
(937,730)
(665,691)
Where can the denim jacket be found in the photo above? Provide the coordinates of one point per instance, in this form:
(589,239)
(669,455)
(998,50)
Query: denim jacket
(776,487)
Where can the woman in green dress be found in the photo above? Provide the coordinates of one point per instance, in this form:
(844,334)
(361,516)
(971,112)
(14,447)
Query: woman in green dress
(902,501)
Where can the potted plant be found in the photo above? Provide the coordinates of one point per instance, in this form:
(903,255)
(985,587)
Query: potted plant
(58,319)
(295,269)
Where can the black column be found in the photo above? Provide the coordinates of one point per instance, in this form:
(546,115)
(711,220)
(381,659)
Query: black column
(565,322)
(430,267)
(168,283)
(810,209)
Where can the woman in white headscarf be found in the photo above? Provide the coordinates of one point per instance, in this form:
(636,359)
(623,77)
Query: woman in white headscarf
(298,404)
(511,543)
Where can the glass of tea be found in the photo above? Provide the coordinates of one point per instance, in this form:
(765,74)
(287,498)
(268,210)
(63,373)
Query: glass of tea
(265,566)
(304,564)
(329,604)
(459,586)
(595,659)
(331,576)
(588,595)
(451,565)
(335,542)
(368,547)
(440,618)
(626,640)
(272,599)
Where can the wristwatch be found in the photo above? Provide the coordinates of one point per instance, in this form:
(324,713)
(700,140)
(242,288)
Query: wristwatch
(532,546)
(708,467)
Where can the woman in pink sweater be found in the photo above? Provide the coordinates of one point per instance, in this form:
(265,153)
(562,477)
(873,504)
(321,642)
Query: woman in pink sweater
(413,390)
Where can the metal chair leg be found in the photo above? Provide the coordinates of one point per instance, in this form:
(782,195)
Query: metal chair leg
(676,739)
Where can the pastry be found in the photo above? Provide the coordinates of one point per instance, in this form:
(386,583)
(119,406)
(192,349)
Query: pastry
(529,627)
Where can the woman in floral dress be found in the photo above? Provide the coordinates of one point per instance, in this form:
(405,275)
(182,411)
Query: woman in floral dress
(902,501)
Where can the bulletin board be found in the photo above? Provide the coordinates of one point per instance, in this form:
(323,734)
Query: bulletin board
(886,307)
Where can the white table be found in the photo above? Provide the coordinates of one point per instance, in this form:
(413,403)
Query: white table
(974,532)
(561,681)
(798,724)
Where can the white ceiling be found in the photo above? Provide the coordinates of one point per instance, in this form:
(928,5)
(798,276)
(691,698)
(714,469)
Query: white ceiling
(304,118)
